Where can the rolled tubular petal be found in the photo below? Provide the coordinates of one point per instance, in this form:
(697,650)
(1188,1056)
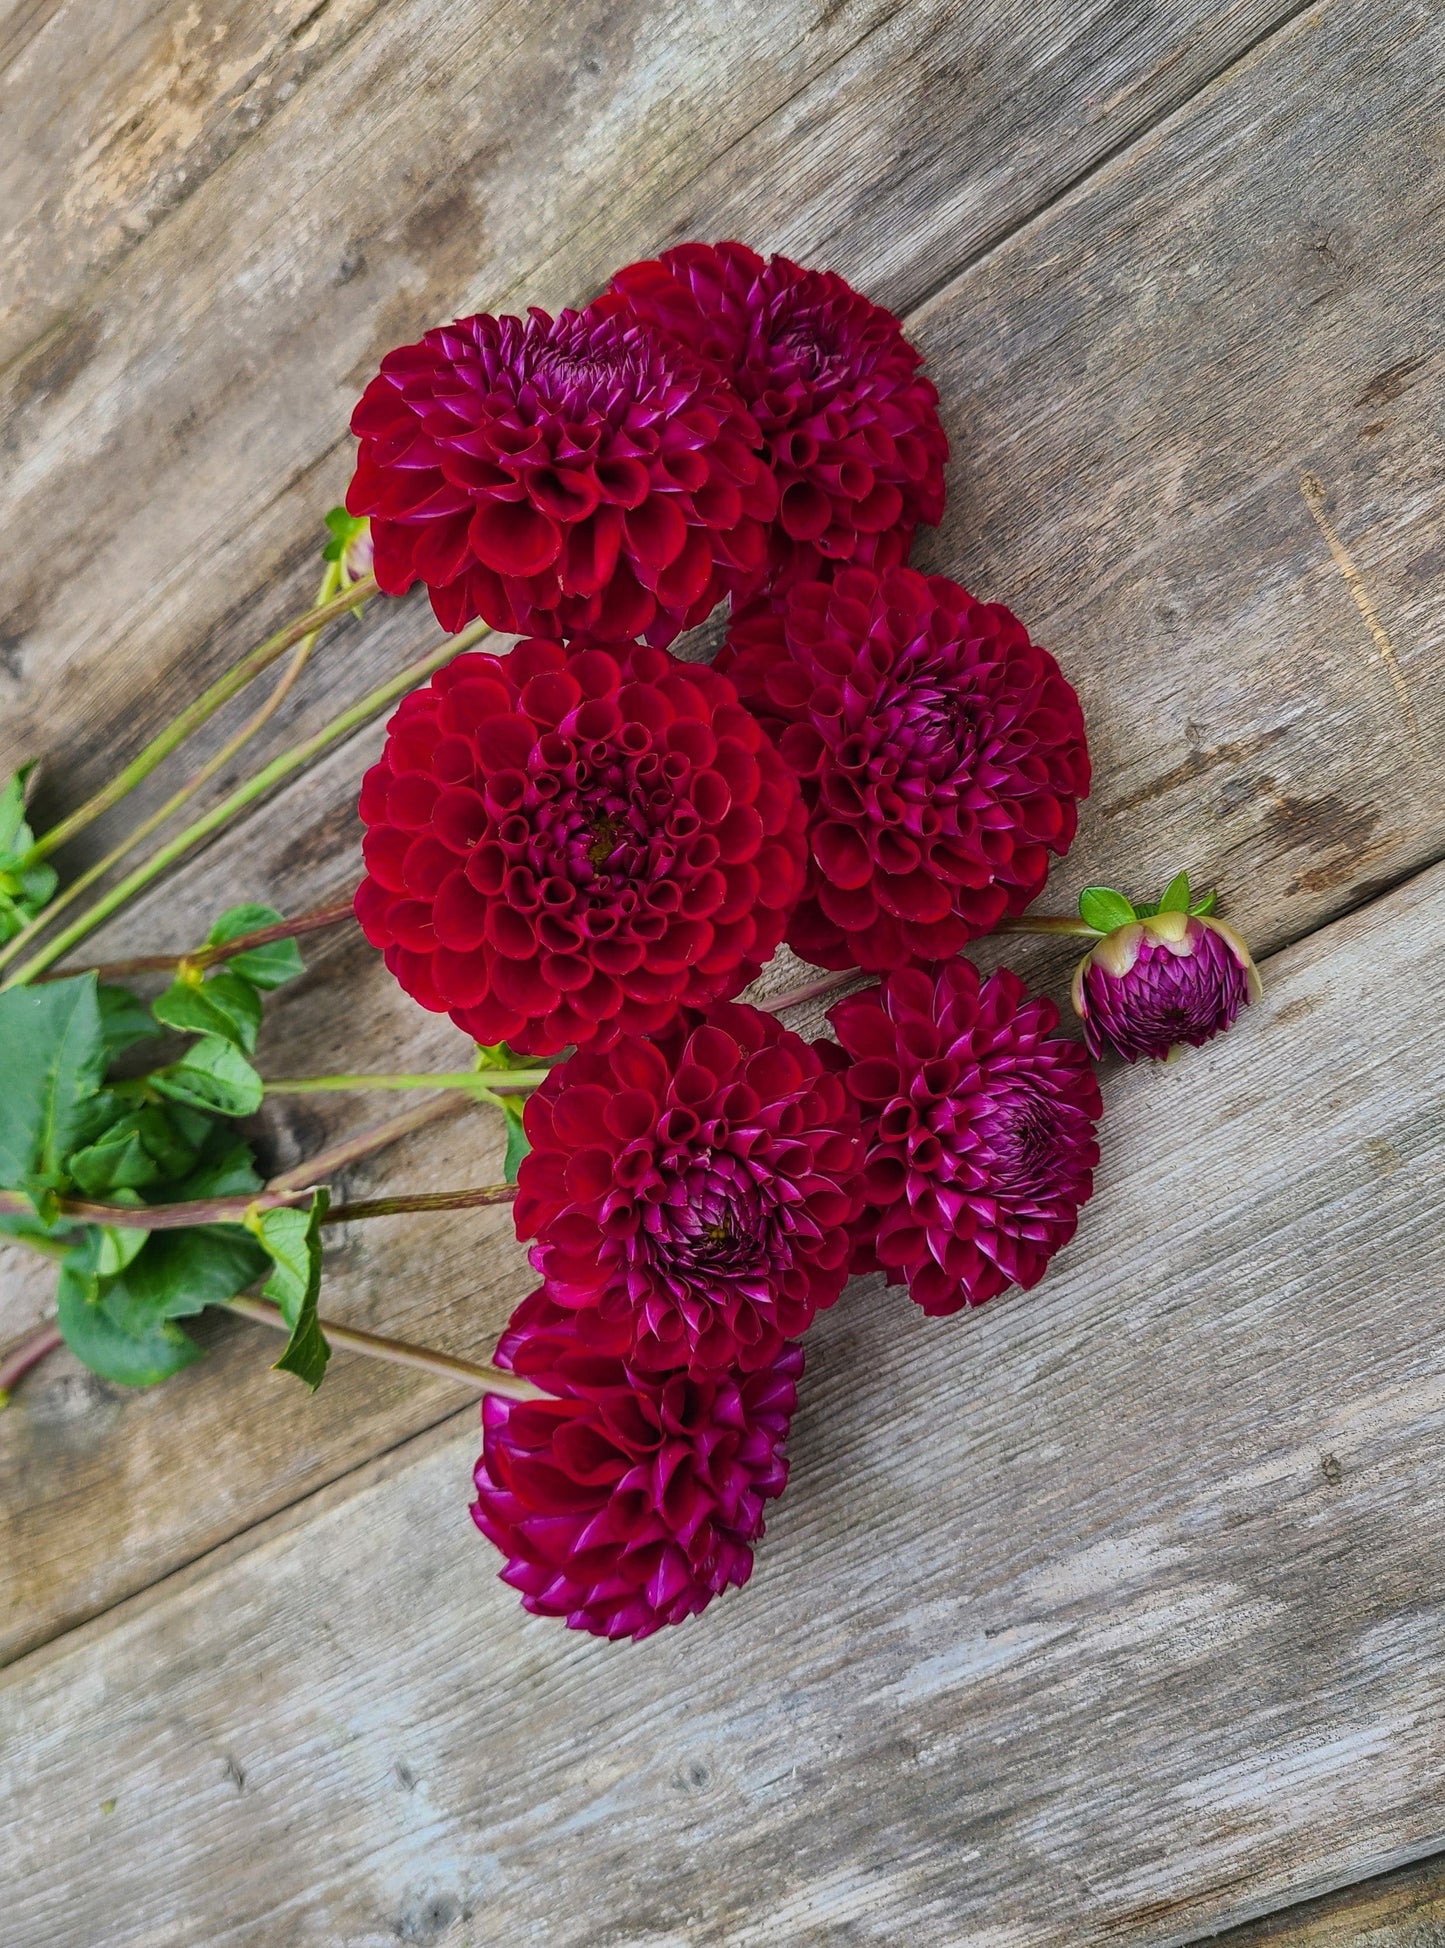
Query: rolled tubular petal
(690,1198)
(850,423)
(978,1129)
(626,1502)
(582,477)
(561,850)
(942,756)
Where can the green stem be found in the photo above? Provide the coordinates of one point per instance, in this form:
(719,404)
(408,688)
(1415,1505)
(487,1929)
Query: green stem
(195,714)
(253,726)
(199,958)
(279,768)
(236,1210)
(490,1379)
(480,1082)
(1049,923)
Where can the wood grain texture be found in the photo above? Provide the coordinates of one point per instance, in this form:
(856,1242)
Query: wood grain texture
(1399,1910)
(1222,662)
(1110,1611)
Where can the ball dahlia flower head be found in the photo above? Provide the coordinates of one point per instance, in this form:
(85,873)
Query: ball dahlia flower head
(627,1501)
(978,1131)
(564,849)
(1162,977)
(850,425)
(941,752)
(690,1197)
(577,476)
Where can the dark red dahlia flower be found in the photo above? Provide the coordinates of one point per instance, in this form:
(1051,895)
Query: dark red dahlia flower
(560,850)
(1171,978)
(691,1198)
(942,756)
(626,1503)
(851,424)
(978,1131)
(573,477)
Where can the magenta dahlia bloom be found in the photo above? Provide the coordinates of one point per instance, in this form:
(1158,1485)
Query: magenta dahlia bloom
(627,1502)
(1167,979)
(851,424)
(581,476)
(942,756)
(978,1131)
(691,1197)
(565,849)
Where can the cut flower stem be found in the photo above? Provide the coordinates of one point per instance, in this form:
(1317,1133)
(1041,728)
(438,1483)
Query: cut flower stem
(237,1210)
(471,1373)
(281,767)
(197,959)
(310,621)
(481,1082)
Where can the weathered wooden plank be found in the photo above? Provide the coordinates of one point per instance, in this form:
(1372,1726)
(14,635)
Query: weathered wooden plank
(1297,812)
(113,116)
(178,436)
(1399,1910)
(1109,1611)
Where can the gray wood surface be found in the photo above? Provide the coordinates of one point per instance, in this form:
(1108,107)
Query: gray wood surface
(1165,264)
(1110,1610)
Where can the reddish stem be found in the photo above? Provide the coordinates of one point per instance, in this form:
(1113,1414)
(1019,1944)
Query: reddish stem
(30,1352)
(201,957)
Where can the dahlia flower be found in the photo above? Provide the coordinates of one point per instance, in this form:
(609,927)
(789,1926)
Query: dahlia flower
(572,477)
(627,1502)
(691,1198)
(561,850)
(850,423)
(942,756)
(978,1131)
(1165,979)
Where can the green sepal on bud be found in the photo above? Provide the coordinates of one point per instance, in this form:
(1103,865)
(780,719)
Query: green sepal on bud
(1106,910)
(350,545)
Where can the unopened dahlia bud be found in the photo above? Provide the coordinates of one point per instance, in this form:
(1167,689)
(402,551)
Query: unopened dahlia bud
(1161,977)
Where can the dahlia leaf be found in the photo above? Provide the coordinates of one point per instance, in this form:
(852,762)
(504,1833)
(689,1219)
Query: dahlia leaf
(1206,903)
(293,1239)
(266,967)
(225,1168)
(52,1063)
(1175,897)
(1103,909)
(179,1273)
(213,1075)
(517,1144)
(117,1246)
(124,1019)
(116,1348)
(225,1004)
(15,838)
(119,1160)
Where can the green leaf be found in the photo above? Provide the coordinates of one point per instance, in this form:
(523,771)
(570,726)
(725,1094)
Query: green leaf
(264,967)
(293,1239)
(343,528)
(133,1356)
(517,1144)
(124,1019)
(52,1062)
(182,1272)
(119,1160)
(226,1168)
(15,839)
(1104,909)
(213,1075)
(118,1246)
(224,1004)
(1206,903)
(1175,897)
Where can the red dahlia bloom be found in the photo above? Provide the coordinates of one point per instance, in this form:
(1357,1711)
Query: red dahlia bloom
(576,476)
(691,1198)
(942,756)
(978,1131)
(626,1503)
(851,424)
(560,850)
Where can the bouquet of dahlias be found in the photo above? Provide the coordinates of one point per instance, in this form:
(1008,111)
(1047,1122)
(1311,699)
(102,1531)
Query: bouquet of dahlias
(583,850)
